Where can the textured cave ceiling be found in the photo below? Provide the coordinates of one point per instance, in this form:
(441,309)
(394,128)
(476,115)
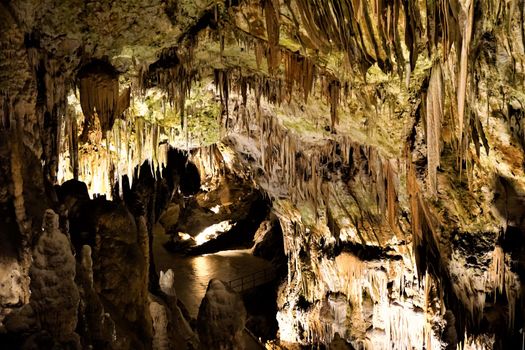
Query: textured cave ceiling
(388,134)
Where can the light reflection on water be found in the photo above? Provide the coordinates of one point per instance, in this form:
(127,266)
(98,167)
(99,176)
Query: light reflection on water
(193,273)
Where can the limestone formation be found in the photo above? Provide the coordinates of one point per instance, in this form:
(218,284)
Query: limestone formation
(171,330)
(53,306)
(221,318)
(97,327)
(383,142)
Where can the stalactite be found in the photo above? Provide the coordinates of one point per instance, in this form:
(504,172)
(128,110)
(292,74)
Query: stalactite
(124,101)
(463,70)
(478,134)
(369,30)
(101,165)
(271,15)
(503,281)
(328,25)
(300,71)
(412,30)
(222,83)
(395,36)
(434,117)
(391,197)
(259,52)
(497,270)
(73,137)
(98,87)
(334,95)
(173,73)
(340,285)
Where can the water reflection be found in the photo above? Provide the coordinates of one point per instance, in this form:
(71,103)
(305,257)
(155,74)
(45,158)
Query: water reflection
(193,273)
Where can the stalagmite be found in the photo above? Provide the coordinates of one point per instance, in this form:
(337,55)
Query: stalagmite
(221,317)
(54,300)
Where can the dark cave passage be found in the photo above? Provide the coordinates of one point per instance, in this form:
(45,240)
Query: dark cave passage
(209,232)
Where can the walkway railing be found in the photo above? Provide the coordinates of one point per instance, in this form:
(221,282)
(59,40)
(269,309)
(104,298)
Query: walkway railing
(256,343)
(252,280)
(247,282)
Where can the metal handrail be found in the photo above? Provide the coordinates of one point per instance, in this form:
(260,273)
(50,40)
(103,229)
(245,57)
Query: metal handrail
(254,338)
(252,280)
